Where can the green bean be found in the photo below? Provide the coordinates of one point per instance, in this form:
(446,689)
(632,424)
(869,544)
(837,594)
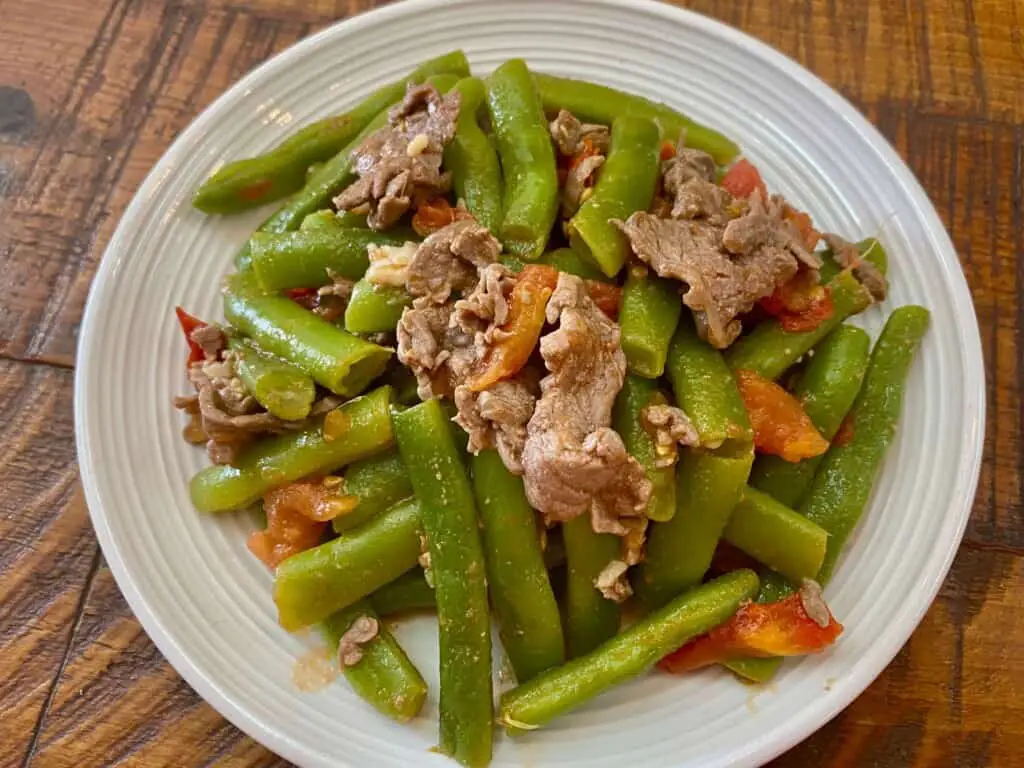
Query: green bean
(827,388)
(320,221)
(286,458)
(457,567)
(648,317)
(343,363)
(375,308)
(383,677)
(590,618)
(625,184)
(594,103)
(310,586)
(305,259)
(280,387)
(281,171)
(337,173)
(626,656)
(770,351)
(679,552)
(527,160)
(706,390)
(377,482)
(775,535)
(517,580)
(472,159)
(841,489)
(409,592)
(627,419)
(568,260)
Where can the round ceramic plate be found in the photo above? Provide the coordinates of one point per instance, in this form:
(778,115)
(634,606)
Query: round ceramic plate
(206,602)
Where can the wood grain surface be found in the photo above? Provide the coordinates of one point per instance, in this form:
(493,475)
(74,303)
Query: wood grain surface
(91,94)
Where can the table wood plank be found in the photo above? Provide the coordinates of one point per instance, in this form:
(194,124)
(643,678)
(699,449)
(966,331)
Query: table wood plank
(91,94)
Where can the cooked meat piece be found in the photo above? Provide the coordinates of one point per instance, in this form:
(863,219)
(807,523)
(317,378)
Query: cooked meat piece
(426,342)
(687,164)
(765,227)
(447,260)
(700,199)
(497,418)
(389,264)
(670,428)
(573,461)
(211,340)
(569,134)
(486,307)
(848,256)
(350,646)
(576,182)
(226,417)
(813,603)
(722,285)
(400,165)
(612,584)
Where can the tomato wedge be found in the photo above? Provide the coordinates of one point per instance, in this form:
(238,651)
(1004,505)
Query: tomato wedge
(188,324)
(780,425)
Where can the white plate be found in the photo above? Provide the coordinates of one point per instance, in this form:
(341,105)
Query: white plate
(206,602)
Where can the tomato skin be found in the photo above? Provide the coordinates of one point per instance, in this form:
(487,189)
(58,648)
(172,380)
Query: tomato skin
(780,425)
(742,179)
(801,304)
(782,628)
(188,324)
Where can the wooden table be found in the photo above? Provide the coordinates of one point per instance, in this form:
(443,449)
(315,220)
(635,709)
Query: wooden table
(93,91)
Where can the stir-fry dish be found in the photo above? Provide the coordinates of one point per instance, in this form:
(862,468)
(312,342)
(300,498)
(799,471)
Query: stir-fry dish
(533,349)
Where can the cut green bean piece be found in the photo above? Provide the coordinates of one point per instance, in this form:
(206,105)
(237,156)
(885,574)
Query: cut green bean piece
(457,569)
(826,388)
(775,535)
(648,317)
(254,181)
(842,487)
(626,656)
(527,160)
(627,419)
(283,459)
(310,586)
(590,618)
(472,159)
(595,103)
(409,592)
(382,675)
(283,389)
(343,363)
(517,579)
(377,483)
(625,184)
(307,259)
(706,390)
(375,308)
(770,351)
(568,260)
(679,552)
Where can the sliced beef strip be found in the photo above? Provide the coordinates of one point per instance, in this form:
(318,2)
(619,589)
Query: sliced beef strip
(426,344)
(350,645)
(226,417)
(400,165)
(721,285)
(670,427)
(848,256)
(487,305)
(211,340)
(447,260)
(497,417)
(764,227)
(573,461)
(569,133)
